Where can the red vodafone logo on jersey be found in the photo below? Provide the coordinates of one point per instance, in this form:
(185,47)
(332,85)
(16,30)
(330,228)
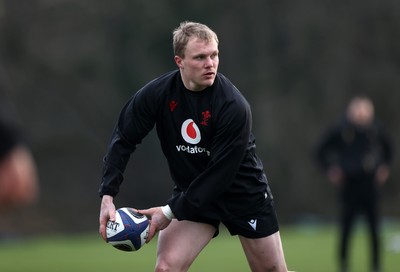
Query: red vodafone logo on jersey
(190,132)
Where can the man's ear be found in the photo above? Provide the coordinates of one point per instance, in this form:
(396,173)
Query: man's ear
(178,61)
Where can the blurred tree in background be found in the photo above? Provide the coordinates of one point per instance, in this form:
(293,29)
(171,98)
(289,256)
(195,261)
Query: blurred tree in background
(68,66)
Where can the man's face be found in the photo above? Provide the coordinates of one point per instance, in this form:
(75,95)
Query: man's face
(199,65)
(361,112)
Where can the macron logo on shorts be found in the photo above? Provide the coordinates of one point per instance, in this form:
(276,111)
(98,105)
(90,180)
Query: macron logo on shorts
(253,223)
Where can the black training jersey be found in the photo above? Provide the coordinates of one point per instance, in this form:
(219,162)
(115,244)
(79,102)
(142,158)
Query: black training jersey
(359,151)
(207,140)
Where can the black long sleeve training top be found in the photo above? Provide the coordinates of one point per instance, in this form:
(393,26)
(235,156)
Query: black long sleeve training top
(206,138)
(359,151)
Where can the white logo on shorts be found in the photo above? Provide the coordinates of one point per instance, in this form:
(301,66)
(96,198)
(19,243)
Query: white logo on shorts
(253,223)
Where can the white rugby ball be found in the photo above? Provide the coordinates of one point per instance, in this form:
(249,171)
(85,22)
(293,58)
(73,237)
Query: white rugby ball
(129,231)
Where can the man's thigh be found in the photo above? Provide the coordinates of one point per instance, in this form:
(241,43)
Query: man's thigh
(181,242)
(264,254)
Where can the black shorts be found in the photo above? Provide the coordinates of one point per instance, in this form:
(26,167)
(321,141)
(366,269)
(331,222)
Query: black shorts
(259,224)
(262,223)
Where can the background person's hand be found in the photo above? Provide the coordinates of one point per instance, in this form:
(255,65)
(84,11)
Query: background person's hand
(335,175)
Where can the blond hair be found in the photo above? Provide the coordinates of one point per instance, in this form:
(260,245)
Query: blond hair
(185,31)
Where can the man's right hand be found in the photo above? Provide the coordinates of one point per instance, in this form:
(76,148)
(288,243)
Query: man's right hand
(107,211)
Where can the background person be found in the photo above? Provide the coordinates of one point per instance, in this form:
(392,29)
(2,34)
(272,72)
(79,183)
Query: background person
(356,155)
(18,176)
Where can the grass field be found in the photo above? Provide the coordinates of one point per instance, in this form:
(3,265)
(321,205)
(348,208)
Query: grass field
(307,249)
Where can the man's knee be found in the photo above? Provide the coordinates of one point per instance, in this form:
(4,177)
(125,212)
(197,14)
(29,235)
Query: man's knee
(162,267)
(165,264)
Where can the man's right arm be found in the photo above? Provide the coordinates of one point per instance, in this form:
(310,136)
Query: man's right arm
(134,123)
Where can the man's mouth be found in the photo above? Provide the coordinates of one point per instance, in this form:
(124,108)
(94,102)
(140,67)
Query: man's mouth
(209,74)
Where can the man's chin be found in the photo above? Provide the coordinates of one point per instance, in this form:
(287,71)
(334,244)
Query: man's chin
(208,82)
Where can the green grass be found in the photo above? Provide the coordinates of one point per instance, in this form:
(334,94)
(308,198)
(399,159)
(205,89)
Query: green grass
(307,249)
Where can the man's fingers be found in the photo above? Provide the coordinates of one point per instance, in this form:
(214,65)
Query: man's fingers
(102,228)
(157,221)
(102,231)
(152,232)
(112,216)
(107,212)
(147,212)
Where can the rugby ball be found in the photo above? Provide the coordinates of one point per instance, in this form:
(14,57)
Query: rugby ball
(129,231)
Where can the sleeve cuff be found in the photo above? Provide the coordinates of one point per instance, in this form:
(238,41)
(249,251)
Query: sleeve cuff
(167,212)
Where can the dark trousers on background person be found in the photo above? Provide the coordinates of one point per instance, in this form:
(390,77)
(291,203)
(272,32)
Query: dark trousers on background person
(359,197)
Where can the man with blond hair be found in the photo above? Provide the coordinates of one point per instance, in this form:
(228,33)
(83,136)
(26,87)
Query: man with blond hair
(204,126)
